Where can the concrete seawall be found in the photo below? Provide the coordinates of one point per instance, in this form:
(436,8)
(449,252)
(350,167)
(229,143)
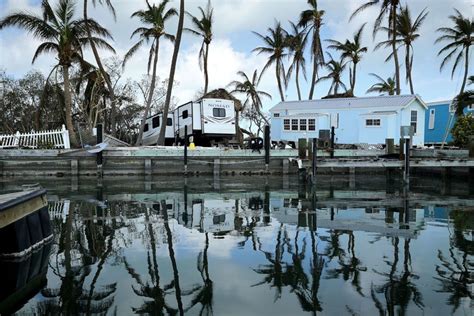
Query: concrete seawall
(170,161)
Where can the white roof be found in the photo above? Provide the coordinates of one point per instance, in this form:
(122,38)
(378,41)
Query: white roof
(393,102)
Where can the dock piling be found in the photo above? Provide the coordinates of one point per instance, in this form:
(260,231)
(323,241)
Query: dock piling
(314,160)
(99,157)
(267,146)
(406,165)
(332,141)
(185,149)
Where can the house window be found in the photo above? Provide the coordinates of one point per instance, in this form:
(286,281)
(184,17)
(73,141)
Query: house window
(169,121)
(431,121)
(311,125)
(155,122)
(218,112)
(286,124)
(185,114)
(145,129)
(414,120)
(294,124)
(276,114)
(372,122)
(302,124)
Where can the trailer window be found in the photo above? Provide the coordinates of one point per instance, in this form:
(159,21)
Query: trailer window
(218,112)
(169,121)
(294,124)
(302,124)
(145,129)
(286,124)
(155,122)
(185,114)
(311,125)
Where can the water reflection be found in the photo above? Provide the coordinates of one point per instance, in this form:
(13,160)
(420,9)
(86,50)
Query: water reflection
(335,250)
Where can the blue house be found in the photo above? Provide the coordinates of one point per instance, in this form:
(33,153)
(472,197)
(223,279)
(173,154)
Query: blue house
(439,120)
(364,120)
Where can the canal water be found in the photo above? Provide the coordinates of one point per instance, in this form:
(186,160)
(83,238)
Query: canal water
(254,246)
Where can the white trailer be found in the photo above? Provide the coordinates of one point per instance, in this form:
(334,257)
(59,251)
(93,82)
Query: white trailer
(152,129)
(207,120)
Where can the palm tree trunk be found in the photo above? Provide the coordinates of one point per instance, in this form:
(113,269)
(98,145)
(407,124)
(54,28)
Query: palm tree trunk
(104,75)
(354,74)
(68,105)
(206,74)
(161,137)
(280,88)
(408,68)
(150,94)
(466,69)
(298,80)
(313,78)
(393,17)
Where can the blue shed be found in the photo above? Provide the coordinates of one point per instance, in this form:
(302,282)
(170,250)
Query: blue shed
(439,120)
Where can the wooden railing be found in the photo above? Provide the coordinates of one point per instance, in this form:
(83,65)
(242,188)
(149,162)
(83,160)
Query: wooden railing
(52,139)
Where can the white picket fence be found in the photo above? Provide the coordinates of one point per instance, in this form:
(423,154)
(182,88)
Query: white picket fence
(52,138)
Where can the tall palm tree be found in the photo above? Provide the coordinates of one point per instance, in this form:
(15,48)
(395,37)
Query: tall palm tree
(407,32)
(297,41)
(203,28)
(174,59)
(383,86)
(314,19)
(460,38)
(275,46)
(387,8)
(335,69)
(351,51)
(465,99)
(64,36)
(103,73)
(249,87)
(154,18)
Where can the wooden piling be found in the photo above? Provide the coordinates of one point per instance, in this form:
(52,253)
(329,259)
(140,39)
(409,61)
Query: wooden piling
(74,167)
(314,156)
(389,146)
(267,146)
(185,149)
(332,141)
(406,169)
(99,157)
(302,146)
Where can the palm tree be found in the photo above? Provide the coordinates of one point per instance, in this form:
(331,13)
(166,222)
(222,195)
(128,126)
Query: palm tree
(203,28)
(64,36)
(154,18)
(103,73)
(174,59)
(275,45)
(335,69)
(465,99)
(383,86)
(460,38)
(314,19)
(249,87)
(352,51)
(387,7)
(297,41)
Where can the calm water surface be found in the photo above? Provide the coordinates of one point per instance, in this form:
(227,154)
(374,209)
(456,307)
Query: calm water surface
(257,246)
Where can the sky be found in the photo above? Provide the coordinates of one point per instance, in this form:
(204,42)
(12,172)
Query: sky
(233,42)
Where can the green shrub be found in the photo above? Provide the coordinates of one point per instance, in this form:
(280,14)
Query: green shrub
(463,130)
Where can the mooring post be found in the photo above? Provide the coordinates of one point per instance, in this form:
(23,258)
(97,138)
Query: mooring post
(332,141)
(406,173)
(267,147)
(302,148)
(99,158)
(185,149)
(313,161)
(389,146)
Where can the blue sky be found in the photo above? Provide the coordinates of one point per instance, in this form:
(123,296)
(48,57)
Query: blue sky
(233,42)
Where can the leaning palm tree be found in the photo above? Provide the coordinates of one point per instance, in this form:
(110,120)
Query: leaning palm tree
(64,36)
(103,73)
(314,19)
(460,38)
(249,87)
(383,86)
(275,46)
(154,18)
(203,28)
(297,41)
(351,51)
(387,7)
(174,59)
(335,70)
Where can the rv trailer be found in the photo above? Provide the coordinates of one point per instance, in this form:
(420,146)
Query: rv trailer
(209,121)
(152,129)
